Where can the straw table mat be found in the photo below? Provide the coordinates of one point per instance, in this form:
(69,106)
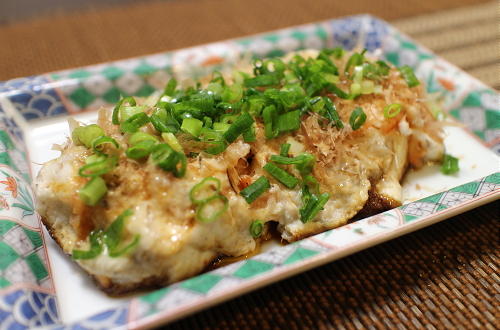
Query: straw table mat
(444,276)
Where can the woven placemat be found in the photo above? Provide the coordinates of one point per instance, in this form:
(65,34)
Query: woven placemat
(468,37)
(67,40)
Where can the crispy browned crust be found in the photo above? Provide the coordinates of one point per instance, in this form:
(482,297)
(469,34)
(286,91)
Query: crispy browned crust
(375,204)
(52,232)
(107,285)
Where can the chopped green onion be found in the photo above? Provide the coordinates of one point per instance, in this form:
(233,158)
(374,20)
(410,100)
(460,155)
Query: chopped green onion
(140,150)
(312,183)
(207,122)
(215,87)
(284,149)
(357,119)
(337,91)
(228,119)
(86,134)
(95,239)
(249,135)
(127,100)
(303,162)
(95,158)
(99,143)
(212,208)
(450,165)
(127,112)
(169,160)
(93,191)
(355,89)
(172,141)
(221,127)
(409,76)
(355,60)
(192,126)
(232,93)
(217,148)
(331,113)
(289,121)
(133,123)
(113,236)
(256,228)
(367,87)
(305,167)
(253,191)
(241,124)
(281,175)
(313,206)
(204,190)
(269,79)
(392,110)
(141,136)
(99,167)
(170,88)
(270,117)
(163,121)
(358,74)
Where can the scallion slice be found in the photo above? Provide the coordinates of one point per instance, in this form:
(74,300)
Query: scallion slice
(312,183)
(256,228)
(192,126)
(170,88)
(204,190)
(331,113)
(221,127)
(169,160)
(86,134)
(357,119)
(99,167)
(281,175)
(392,110)
(141,136)
(99,143)
(409,76)
(313,206)
(140,149)
(172,141)
(126,112)
(337,91)
(133,123)
(241,124)
(127,100)
(96,248)
(450,165)
(93,191)
(216,148)
(113,236)
(257,188)
(355,60)
(303,162)
(211,209)
(270,117)
(284,149)
(249,135)
(288,122)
